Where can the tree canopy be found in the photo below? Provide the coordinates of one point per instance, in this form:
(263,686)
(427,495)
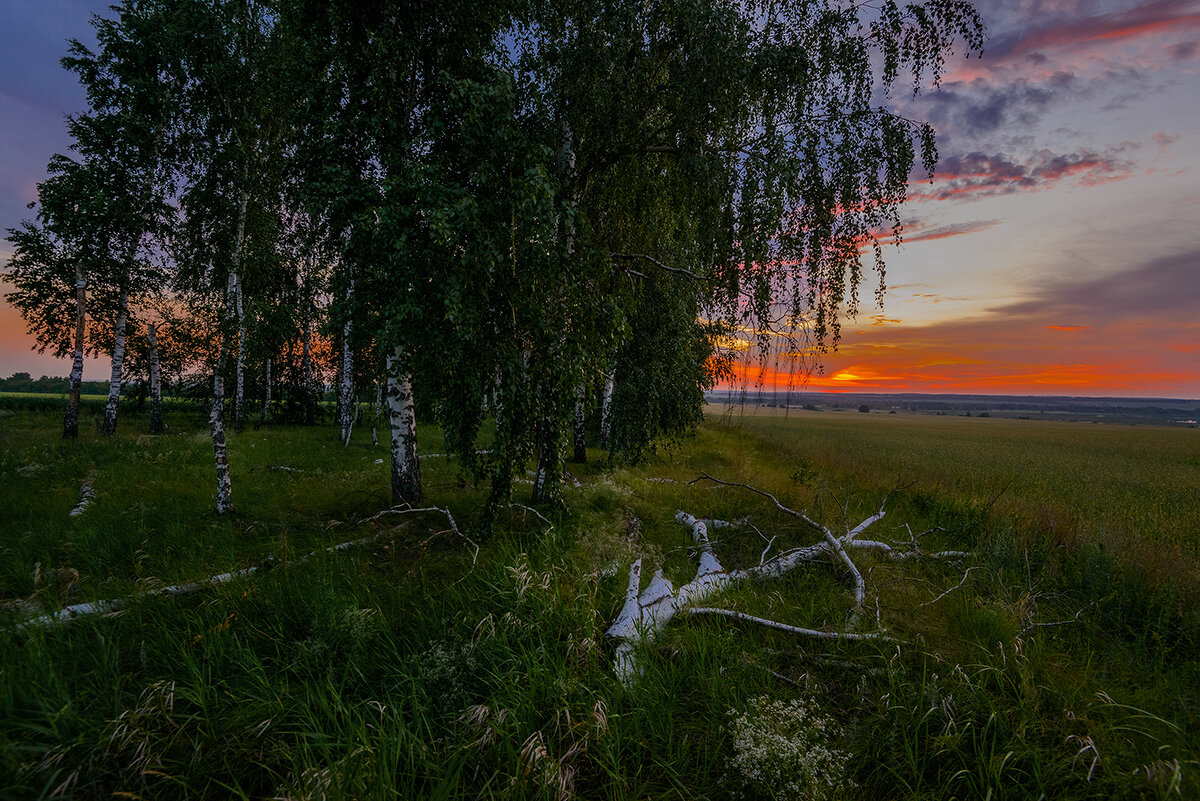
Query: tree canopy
(541,212)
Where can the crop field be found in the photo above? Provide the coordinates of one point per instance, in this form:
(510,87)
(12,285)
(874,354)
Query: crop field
(396,656)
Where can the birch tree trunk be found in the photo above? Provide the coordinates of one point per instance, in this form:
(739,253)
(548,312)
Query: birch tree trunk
(548,433)
(378,411)
(606,409)
(406,467)
(156,421)
(348,402)
(240,372)
(580,437)
(71,418)
(216,414)
(118,360)
(310,392)
(549,464)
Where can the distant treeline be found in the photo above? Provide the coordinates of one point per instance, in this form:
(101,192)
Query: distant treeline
(23,382)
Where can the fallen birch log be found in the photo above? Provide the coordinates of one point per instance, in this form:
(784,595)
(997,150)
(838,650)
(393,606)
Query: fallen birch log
(646,612)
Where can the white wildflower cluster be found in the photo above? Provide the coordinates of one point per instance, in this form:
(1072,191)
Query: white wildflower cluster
(446,669)
(782,750)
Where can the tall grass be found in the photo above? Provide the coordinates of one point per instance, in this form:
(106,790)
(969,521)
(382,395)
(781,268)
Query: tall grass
(404,668)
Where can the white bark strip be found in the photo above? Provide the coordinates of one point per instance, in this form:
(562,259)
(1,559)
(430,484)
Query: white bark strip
(406,464)
(156,421)
(86,496)
(606,409)
(109,606)
(216,413)
(118,360)
(762,621)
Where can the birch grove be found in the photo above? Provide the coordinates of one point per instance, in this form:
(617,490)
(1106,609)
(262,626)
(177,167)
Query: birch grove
(557,213)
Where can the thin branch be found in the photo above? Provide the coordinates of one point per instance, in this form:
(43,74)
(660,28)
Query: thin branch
(660,265)
(762,621)
(952,589)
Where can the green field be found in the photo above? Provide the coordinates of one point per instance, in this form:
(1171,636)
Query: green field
(1059,661)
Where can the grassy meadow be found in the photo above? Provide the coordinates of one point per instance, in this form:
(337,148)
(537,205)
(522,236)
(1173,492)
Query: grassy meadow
(1059,661)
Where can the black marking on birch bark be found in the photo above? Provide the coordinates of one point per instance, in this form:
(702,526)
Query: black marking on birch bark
(406,462)
(156,421)
(109,426)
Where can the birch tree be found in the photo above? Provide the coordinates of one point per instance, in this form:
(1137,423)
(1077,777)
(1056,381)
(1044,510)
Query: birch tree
(227,59)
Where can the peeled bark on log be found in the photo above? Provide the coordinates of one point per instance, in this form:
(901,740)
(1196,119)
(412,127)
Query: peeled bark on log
(71,418)
(406,465)
(156,421)
(118,360)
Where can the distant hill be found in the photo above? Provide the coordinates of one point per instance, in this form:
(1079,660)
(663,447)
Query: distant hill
(1154,411)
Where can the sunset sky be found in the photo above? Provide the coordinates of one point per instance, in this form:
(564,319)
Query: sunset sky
(1056,252)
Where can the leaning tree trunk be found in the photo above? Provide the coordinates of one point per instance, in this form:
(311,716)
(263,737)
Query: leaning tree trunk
(156,421)
(240,372)
(406,467)
(118,360)
(216,414)
(348,405)
(71,418)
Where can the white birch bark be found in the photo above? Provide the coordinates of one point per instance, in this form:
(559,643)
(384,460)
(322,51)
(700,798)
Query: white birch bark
(216,414)
(406,465)
(118,360)
(645,613)
(156,421)
(606,409)
(71,418)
